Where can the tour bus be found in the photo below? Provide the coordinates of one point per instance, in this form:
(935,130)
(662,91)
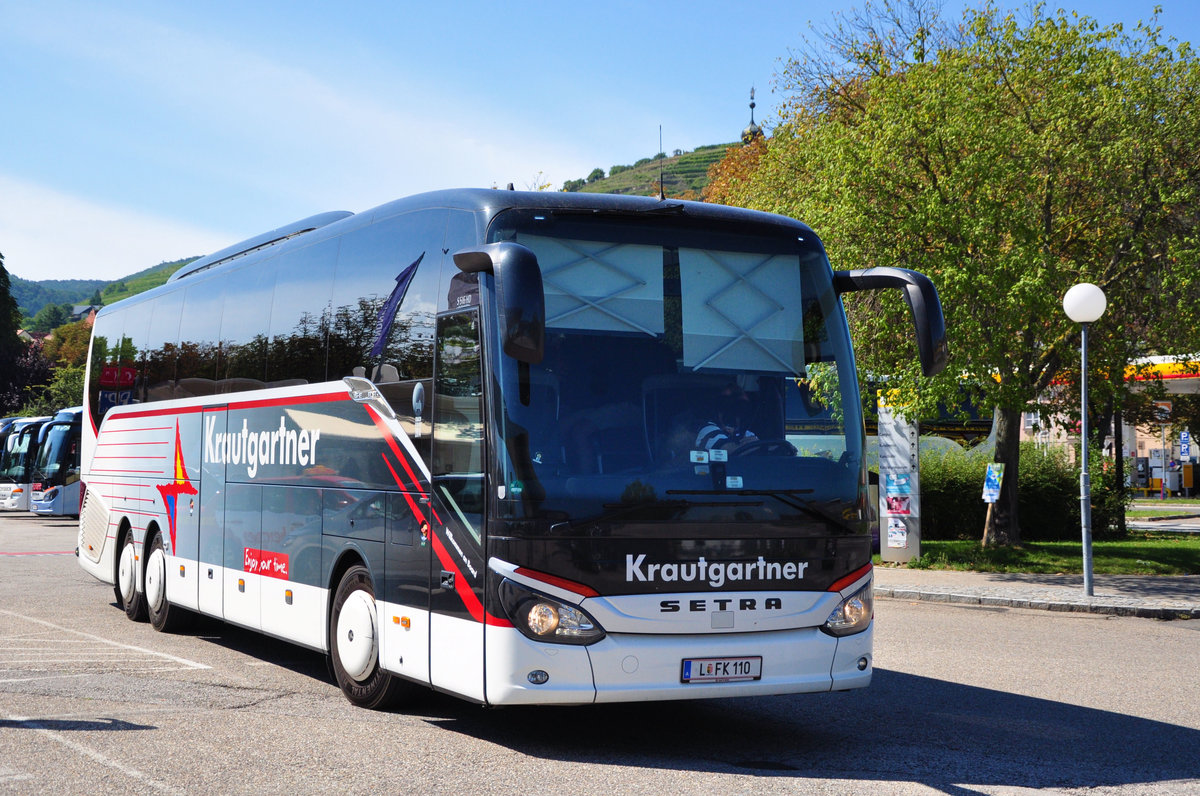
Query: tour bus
(55,486)
(465,441)
(6,426)
(16,463)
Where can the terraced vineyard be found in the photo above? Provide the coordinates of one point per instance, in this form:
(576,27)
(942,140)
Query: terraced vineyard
(683,175)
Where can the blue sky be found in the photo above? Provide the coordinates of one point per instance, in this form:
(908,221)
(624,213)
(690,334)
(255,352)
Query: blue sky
(137,132)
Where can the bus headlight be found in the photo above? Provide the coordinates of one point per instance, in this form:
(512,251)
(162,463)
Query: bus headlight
(544,618)
(852,615)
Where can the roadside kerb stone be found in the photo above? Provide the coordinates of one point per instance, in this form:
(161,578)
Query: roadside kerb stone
(1050,601)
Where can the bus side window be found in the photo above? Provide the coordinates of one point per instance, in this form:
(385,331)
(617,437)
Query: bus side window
(242,360)
(368,263)
(299,315)
(458,419)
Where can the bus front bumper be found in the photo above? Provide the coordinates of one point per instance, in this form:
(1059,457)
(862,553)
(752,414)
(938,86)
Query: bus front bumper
(628,667)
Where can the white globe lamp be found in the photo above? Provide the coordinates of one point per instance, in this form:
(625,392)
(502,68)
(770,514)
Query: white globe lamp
(1084,304)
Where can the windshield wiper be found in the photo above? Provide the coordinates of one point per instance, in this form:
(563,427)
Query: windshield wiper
(615,511)
(786,496)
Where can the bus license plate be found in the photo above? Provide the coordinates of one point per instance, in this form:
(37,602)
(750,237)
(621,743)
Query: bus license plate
(721,670)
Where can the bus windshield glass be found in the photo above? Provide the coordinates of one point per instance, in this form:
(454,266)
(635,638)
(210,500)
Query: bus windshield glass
(687,370)
(58,452)
(14,466)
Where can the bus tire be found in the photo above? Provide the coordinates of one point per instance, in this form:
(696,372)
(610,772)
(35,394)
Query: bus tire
(164,617)
(354,644)
(128,597)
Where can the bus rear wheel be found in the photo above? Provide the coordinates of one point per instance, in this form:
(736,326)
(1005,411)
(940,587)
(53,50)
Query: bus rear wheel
(128,597)
(164,617)
(354,644)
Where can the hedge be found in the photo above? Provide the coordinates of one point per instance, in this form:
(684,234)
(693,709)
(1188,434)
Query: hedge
(952,504)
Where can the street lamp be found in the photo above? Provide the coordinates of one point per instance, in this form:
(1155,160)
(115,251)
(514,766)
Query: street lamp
(1084,304)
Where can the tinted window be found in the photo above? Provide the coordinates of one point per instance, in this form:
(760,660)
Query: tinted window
(461,233)
(158,377)
(299,315)
(133,345)
(244,327)
(369,263)
(458,419)
(200,323)
(103,377)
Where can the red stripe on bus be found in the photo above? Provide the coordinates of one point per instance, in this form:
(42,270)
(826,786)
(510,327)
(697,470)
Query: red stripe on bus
(293,400)
(562,583)
(407,495)
(121,418)
(464,591)
(849,580)
(391,441)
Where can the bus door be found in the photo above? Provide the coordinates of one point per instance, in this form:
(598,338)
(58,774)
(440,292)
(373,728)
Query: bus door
(405,643)
(458,486)
(212,520)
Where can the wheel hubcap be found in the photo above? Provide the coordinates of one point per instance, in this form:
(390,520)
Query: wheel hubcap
(125,572)
(156,571)
(356,645)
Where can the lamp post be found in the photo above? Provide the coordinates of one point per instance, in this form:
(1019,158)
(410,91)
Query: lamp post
(1084,304)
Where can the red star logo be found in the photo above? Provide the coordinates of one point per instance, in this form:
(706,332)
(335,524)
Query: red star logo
(180,486)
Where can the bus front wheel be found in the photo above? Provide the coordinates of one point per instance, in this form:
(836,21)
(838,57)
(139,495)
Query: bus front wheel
(354,644)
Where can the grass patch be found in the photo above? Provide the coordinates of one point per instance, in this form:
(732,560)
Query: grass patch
(1148,553)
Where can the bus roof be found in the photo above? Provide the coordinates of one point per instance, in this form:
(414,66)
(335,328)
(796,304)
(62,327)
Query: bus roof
(485,202)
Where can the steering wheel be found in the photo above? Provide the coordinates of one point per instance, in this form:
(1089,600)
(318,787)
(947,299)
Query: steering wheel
(765,447)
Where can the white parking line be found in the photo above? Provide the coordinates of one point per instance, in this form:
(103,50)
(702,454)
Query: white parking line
(105,653)
(102,759)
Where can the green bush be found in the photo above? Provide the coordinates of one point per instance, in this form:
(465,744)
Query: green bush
(952,504)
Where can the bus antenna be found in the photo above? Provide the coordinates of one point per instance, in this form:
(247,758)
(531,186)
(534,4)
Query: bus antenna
(662,194)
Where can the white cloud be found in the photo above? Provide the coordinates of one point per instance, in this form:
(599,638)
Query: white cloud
(238,127)
(45,234)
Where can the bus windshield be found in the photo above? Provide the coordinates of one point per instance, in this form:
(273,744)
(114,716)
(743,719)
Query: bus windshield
(686,371)
(59,452)
(14,466)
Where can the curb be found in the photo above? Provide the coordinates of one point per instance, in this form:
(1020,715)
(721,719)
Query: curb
(1094,605)
(1162,517)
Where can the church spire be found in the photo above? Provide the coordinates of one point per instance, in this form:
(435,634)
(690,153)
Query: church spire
(753,130)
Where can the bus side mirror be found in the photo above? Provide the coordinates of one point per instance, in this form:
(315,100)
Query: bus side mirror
(520,299)
(923,301)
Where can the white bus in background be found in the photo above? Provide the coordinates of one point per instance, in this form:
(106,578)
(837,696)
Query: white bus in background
(453,442)
(16,463)
(55,484)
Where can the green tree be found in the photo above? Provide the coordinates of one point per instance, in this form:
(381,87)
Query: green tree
(64,389)
(49,317)
(11,346)
(596,175)
(1008,160)
(68,345)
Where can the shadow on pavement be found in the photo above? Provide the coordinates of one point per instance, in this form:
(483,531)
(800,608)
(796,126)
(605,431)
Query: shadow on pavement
(903,728)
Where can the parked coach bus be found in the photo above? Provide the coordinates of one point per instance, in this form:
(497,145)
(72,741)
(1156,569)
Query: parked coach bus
(16,462)
(517,447)
(55,484)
